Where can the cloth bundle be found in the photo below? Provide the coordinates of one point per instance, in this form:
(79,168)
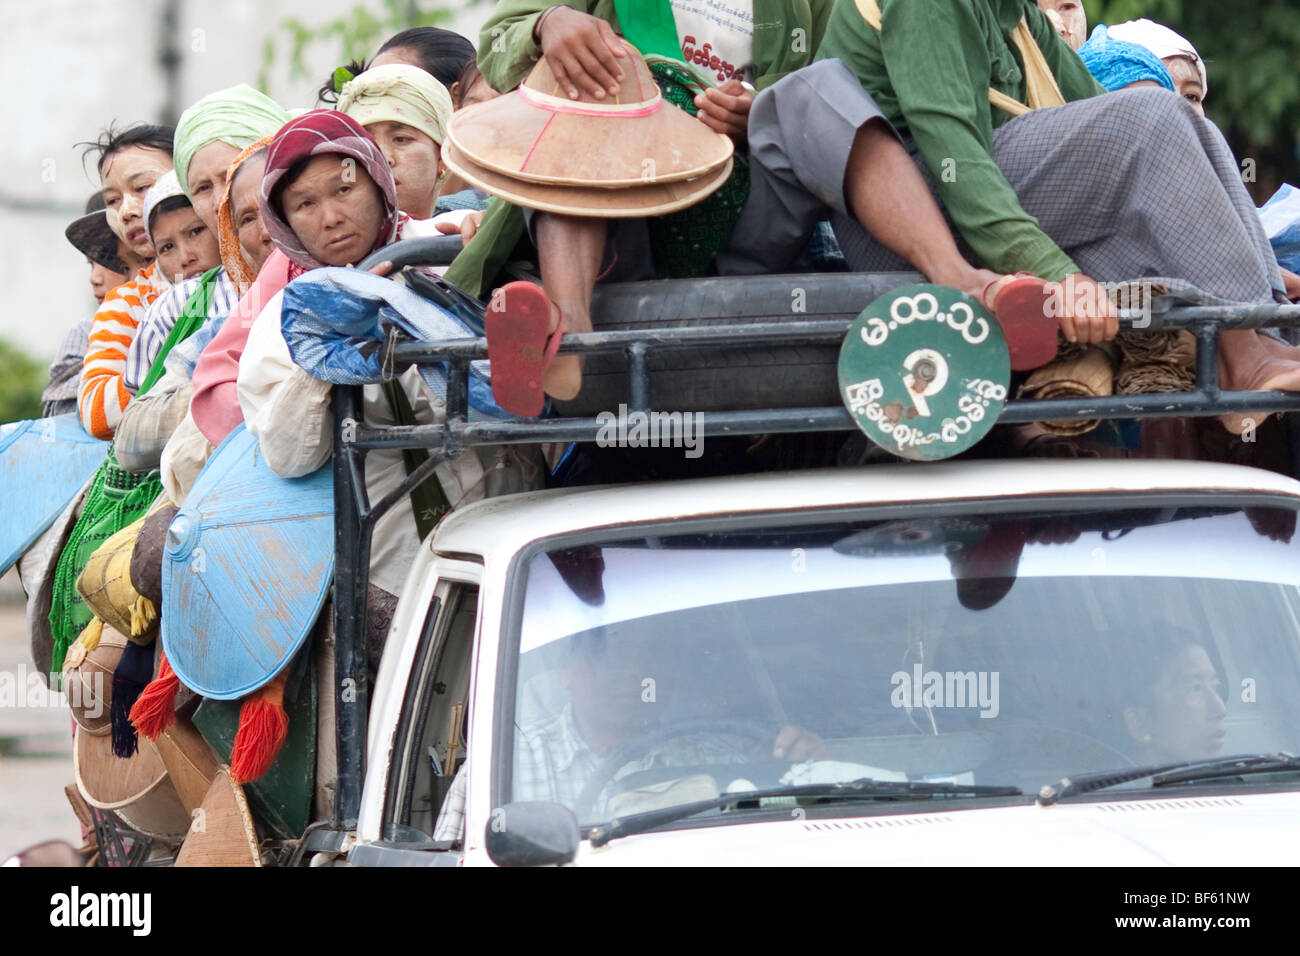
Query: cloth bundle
(334,320)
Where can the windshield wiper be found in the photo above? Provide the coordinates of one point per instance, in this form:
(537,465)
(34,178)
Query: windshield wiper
(1167,774)
(864,789)
(1231,767)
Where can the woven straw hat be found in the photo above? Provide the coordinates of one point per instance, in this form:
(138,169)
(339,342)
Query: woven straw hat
(227,836)
(633,154)
(88,681)
(137,789)
(190,762)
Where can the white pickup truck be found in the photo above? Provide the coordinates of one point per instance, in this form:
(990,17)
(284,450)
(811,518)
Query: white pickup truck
(1028,662)
(1021,661)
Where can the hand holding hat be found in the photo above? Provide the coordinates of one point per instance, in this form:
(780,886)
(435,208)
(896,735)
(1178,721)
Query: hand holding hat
(582,50)
(632,154)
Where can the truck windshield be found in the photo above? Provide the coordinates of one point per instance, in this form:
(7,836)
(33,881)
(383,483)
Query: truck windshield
(989,649)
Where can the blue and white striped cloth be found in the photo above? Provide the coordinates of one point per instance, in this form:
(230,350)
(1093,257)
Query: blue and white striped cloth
(161,318)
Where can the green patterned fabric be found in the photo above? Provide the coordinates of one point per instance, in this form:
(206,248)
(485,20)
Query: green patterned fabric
(115,499)
(685,242)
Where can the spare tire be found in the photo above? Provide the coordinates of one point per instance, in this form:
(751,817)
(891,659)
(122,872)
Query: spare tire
(731,377)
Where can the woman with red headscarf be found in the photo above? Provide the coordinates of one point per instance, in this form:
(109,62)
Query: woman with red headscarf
(328,199)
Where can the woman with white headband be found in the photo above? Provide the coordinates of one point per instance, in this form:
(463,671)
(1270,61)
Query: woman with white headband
(1180,57)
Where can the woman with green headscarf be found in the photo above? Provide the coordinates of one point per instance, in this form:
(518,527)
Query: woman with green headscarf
(209,135)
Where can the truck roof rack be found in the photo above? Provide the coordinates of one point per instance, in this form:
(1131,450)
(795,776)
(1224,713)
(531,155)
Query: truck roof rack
(355,514)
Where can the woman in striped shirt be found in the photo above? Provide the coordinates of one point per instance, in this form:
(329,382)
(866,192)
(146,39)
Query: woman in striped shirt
(130,162)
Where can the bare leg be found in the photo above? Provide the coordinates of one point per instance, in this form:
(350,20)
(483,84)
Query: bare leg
(888,196)
(569,250)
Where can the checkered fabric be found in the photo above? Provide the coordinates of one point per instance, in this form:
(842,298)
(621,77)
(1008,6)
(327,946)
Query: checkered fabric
(1133,184)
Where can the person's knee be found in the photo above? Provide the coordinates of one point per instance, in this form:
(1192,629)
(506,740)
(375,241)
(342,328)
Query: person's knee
(1147,113)
(796,98)
(873,137)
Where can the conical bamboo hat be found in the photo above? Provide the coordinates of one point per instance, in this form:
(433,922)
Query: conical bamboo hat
(537,137)
(223,832)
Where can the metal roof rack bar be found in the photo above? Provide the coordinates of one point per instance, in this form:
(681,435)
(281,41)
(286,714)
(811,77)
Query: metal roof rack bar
(355,515)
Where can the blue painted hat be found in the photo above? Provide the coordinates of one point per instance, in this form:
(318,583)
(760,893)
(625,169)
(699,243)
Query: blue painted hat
(247,566)
(43,464)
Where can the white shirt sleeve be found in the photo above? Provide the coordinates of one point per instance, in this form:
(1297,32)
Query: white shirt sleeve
(287,409)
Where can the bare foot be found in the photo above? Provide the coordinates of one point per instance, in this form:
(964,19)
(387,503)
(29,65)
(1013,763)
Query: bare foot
(1251,362)
(1279,348)
(563,377)
(1238,424)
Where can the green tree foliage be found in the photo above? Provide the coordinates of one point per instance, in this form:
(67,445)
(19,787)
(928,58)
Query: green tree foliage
(21,385)
(1250,48)
(354,36)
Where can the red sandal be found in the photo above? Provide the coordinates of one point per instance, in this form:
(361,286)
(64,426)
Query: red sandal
(519,350)
(1020,306)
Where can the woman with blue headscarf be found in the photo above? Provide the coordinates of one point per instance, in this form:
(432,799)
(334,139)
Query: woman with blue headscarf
(1116,64)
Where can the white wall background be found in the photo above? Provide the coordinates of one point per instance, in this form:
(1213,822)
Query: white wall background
(70,67)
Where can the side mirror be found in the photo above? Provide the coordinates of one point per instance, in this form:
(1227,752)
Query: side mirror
(532,834)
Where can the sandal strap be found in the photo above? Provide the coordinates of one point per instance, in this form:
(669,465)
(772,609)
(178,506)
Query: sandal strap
(553,343)
(984,296)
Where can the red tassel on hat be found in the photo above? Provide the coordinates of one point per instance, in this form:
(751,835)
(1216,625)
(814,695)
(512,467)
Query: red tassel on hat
(155,710)
(263,725)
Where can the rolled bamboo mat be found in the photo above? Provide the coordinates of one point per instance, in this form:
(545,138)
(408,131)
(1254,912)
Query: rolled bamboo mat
(1084,373)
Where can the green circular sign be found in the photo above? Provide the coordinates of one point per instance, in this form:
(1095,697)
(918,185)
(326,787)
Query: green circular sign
(924,372)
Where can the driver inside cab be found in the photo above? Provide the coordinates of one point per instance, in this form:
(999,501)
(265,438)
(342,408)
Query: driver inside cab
(627,713)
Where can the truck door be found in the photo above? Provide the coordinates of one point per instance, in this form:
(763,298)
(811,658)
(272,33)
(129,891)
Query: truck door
(429,744)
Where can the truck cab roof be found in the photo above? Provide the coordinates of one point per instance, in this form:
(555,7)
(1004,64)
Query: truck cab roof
(505,525)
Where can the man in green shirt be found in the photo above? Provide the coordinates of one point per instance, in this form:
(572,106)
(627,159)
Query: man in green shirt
(1093,189)
(763,40)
